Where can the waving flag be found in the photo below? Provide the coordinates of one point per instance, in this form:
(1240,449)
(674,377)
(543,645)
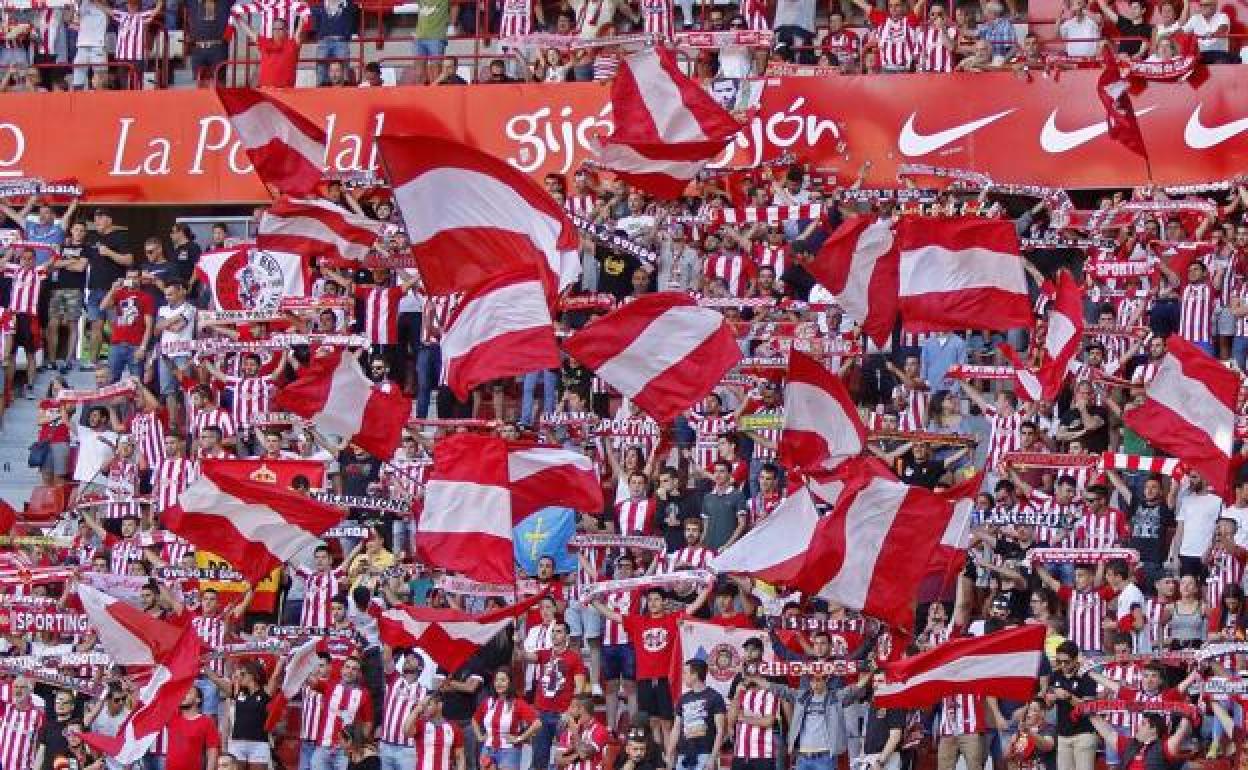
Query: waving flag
(1189,411)
(450,637)
(667,127)
(253,525)
(858,263)
(1004,664)
(949,556)
(1063,335)
(541,476)
(775,550)
(872,549)
(314,227)
(466,522)
(546,533)
(961,273)
(133,638)
(244,278)
(472,217)
(1111,89)
(821,424)
(300,666)
(661,351)
(287,149)
(500,329)
(333,392)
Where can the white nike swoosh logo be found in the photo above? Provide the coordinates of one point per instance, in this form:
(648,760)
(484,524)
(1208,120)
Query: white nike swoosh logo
(1055,140)
(1201,137)
(913,144)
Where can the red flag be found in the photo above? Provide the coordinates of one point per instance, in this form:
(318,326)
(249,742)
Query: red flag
(1025,378)
(777,548)
(450,637)
(667,127)
(542,475)
(466,522)
(961,273)
(300,666)
(949,556)
(314,227)
(8,517)
(133,638)
(472,217)
(858,263)
(1189,411)
(334,393)
(822,428)
(252,525)
(287,149)
(661,350)
(1002,665)
(870,552)
(1111,88)
(1063,335)
(500,329)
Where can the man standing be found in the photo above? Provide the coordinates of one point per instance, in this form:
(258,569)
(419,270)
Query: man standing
(21,725)
(193,742)
(1076,738)
(108,250)
(698,731)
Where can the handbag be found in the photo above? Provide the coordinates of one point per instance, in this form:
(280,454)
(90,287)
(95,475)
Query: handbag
(38,454)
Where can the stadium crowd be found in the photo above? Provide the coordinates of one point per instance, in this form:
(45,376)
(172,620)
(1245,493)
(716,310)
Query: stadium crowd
(101,45)
(585,680)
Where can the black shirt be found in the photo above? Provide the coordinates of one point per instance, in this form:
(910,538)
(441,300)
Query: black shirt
(697,711)
(879,723)
(1095,441)
(1080,685)
(54,740)
(1148,525)
(62,278)
(104,271)
(682,506)
(922,474)
(186,257)
(459,706)
(616,276)
(250,712)
(1128,28)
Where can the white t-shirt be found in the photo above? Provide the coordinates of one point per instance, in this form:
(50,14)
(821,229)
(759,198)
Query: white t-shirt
(187,332)
(1240,515)
(92,25)
(1127,597)
(1199,26)
(95,450)
(1199,516)
(1085,31)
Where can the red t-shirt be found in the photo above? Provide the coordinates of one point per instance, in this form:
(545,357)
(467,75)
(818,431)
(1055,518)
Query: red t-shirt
(556,679)
(130,309)
(277,62)
(188,740)
(652,640)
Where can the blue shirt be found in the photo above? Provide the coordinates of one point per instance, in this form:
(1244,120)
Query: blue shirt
(52,234)
(1000,34)
(935,359)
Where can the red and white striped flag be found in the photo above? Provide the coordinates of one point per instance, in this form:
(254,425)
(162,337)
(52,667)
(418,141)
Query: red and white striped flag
(1063,335)
(314,227)
(244,278)
(450,637)
(287,149)
(821,424)
(542,476)
(661,351)
(472,217)
(1167,466)
(949,556)
(870,552)
(858,263)
(667,127)
(333,393)
(133,638)
(466,522)
(1025,378)
(254,526)
(300,666)
(500,329)
(1189,411)
(961,273)
(1003,665)
(775,550)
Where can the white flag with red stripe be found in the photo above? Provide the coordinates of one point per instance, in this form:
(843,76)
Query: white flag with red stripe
(500,329)
(472,217)
(287,149)
(450,637)
(1028,381)
(542,476)
(1063,335)
(466,522)
(870,552)
(1189,411)
(246,278)
(1004,665)
(949,556)
(253,525)
(661,351)
(961,273)
(822,428)
(333,393)
(775,550)
(300,666)
(133,638)
(858,263)
(314,227)
(667,127)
